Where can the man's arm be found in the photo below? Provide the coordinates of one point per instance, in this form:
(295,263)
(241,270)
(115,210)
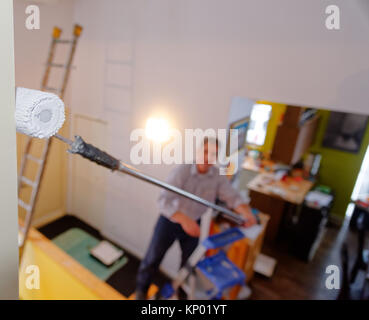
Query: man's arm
(245,210)
(233,199)
(189,225)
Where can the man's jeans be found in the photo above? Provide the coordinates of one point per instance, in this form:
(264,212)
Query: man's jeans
(165,233)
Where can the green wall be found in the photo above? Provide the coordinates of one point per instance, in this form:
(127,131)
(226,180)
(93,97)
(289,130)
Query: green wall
(338,169)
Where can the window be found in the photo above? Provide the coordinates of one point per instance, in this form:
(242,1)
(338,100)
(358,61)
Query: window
(260,116)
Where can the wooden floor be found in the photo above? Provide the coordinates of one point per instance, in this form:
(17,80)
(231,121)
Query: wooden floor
(295,279)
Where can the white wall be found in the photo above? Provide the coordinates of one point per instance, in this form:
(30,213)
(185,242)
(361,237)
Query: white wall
(275,50)
(187,59)
(31,47)
(8,170)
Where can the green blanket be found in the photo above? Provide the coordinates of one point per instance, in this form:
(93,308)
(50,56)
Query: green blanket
(77,243)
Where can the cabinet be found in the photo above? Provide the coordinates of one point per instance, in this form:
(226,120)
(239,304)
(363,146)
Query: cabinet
(294,135)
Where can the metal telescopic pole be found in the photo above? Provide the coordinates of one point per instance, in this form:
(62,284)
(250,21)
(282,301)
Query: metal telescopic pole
(102,158)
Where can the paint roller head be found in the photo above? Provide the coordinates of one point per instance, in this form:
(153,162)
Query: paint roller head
(38,114)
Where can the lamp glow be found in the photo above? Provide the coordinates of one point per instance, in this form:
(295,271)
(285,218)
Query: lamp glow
(157,129)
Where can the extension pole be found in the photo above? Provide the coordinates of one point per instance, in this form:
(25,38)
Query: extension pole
(102,158)
(230,215)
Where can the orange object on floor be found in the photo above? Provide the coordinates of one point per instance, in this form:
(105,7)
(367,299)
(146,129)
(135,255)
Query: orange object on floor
(152,292)
(244,252)
(237,253)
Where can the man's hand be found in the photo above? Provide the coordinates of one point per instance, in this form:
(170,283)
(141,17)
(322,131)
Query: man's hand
(245,211)
(188,225)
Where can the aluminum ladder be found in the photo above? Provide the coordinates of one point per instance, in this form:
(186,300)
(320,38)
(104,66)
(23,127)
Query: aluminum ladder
(28,158)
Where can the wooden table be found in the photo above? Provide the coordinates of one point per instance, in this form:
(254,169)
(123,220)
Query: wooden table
(290,190)
(253,165)
(268,195)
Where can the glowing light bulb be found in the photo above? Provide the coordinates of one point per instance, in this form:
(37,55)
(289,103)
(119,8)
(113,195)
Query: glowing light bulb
(157,129)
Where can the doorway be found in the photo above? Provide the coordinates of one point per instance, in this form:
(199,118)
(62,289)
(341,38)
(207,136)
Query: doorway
(361,188)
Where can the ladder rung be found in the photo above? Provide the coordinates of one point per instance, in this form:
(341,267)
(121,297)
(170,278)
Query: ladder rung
(28,181)
(57,65)
(35,159)
(60,65)
(63,41)
(51,89)
(24,205)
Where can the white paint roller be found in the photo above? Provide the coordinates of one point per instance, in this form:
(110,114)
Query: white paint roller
(38,114)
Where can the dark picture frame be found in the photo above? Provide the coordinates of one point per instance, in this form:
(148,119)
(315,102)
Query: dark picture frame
(345,131)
